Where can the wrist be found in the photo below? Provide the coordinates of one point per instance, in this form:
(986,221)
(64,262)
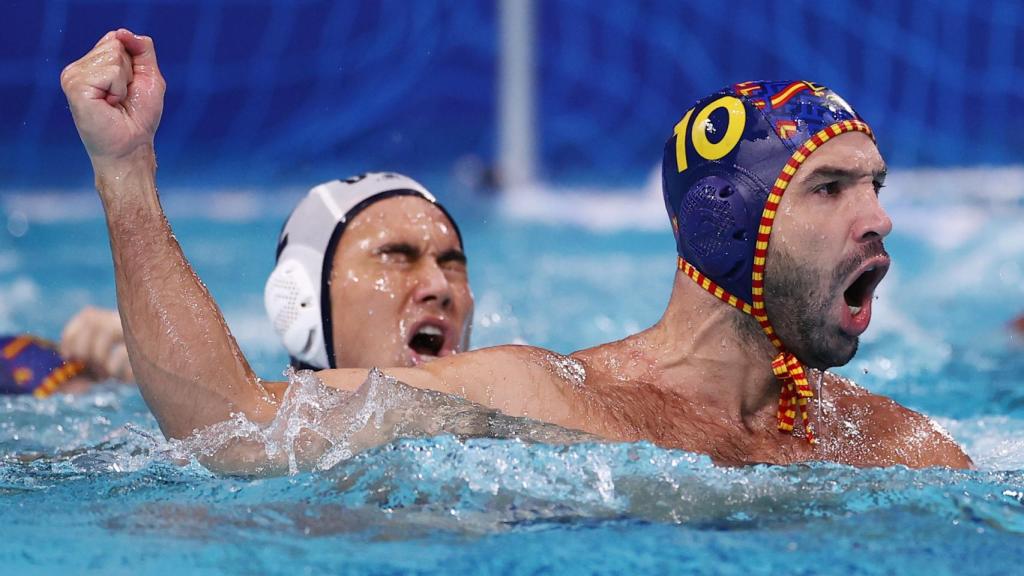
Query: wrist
(141,159)
(128,180)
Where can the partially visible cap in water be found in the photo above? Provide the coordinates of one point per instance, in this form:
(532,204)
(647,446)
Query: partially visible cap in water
(30,365)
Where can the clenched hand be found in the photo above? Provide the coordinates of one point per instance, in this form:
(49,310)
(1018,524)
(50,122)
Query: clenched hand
(116,94)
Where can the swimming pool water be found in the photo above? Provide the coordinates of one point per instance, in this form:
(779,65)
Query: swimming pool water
(87,484)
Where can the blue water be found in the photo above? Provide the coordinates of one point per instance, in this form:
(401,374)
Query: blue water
(87,484)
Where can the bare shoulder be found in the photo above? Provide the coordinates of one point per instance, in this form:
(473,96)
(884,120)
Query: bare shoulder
(893,433)
(518,380)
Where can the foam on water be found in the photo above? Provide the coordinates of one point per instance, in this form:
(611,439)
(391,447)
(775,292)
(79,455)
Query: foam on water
(405,467)
(486,485)
(386,453)
(994,442)
(317,427)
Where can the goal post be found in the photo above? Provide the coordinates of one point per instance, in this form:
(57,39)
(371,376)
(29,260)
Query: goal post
(516,77)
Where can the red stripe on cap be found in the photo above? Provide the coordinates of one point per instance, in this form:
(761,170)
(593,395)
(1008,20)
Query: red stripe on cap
(788,93)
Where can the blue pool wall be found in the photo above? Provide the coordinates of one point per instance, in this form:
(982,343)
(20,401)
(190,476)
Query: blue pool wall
(265,92)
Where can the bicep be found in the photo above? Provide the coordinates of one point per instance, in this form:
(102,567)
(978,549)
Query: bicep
(350,379)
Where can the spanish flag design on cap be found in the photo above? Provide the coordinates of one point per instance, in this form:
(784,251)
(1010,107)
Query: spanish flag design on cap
(30,365)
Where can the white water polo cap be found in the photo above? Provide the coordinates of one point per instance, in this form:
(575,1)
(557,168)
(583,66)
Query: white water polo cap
(297,294)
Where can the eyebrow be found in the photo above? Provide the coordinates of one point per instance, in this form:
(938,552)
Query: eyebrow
(827,172)
(399,248)
(451,255)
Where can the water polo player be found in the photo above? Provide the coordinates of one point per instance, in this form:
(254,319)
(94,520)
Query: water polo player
(370,272)
(91,349)
(772,188)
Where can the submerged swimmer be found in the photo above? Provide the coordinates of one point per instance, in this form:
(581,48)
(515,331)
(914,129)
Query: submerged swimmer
(91,349)
(789,162)
(31,365)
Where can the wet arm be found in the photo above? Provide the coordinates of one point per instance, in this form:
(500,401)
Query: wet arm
(923,444)
(516,380)
(189,367)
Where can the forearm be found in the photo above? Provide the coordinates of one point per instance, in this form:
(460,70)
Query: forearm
(188,366)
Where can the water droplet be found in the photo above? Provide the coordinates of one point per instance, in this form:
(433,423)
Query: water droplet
(17,224)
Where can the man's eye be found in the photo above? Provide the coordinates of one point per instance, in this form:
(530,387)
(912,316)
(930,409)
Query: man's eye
(458,266)
(396,256)
(878,187)
(829,189)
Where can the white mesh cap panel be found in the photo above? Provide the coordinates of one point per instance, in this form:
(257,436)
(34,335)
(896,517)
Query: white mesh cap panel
(283,295)
(292,301)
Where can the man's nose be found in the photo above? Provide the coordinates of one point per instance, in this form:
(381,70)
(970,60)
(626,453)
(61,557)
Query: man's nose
(872,220)
(432,285)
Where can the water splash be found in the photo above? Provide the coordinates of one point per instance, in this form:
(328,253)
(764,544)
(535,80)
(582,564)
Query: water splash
(317,427)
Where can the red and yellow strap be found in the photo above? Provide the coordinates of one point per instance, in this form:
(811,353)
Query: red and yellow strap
(60,376)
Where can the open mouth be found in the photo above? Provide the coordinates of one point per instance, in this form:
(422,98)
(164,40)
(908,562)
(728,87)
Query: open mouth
(428,341)
(859,294)
(862,289)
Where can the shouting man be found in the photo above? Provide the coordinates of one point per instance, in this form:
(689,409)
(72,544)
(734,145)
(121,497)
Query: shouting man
(772,190)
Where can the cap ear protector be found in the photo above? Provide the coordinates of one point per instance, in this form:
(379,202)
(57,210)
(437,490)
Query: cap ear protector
(724,171)
(297,295)
(715,220)
(292,303)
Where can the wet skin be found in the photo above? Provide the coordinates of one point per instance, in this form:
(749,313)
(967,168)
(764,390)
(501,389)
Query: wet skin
(827,234)
(699,379)
(399,270)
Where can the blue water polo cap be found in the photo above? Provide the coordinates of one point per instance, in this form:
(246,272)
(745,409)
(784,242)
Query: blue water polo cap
(725,170)
(30,365)
(721,164)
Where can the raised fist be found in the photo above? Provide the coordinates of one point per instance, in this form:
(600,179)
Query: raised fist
(116,94)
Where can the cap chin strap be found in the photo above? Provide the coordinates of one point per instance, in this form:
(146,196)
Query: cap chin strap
(795,391)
